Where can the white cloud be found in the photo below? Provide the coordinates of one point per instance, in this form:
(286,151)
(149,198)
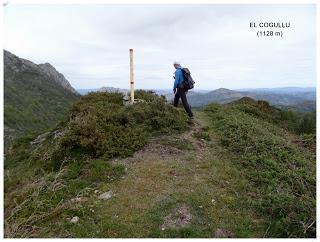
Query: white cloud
(89,43)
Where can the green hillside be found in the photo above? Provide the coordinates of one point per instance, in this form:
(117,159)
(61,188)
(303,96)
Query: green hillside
(112,170)
(33,100)
(281,171)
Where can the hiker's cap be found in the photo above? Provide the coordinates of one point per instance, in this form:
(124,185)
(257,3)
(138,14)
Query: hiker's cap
(176,63)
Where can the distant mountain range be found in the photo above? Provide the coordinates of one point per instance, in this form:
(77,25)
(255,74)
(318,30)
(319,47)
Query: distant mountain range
(102,89)
(300,99)
(35,96)
(121,90)
(279,89)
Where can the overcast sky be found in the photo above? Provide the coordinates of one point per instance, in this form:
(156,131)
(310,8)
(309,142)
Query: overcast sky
(90,44)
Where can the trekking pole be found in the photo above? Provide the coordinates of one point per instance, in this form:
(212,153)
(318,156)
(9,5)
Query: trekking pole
(131,78)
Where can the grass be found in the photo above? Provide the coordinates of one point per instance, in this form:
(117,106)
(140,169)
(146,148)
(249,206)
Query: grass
(281,173)
(153,186)
(45,174)
(40,197)
(239,174)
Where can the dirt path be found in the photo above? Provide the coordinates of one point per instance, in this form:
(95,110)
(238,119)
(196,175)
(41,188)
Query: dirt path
(177,186)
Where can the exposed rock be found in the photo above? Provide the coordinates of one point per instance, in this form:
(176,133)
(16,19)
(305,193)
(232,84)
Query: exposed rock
(19,65)
(76,199)
(40,139)
(58,134)
(56,76)
(106,195)
(74,219)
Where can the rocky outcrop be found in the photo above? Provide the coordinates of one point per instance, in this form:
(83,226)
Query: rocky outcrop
(56,76)
(18,65)
(113,89)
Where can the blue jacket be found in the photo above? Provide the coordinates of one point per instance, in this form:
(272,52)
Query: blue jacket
(178,79)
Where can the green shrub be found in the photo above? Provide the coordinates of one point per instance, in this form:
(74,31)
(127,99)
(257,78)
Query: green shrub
(74,157)
(101,125)
(307,124)
(147,96)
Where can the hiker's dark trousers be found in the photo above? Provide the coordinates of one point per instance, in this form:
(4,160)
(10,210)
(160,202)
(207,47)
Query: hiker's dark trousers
(181,93)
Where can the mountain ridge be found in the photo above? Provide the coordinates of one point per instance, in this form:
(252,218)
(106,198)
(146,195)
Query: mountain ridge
(17,64)
(35,96)
(156,173)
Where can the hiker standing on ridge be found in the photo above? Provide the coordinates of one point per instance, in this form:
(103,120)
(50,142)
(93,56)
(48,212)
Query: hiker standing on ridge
(179,90)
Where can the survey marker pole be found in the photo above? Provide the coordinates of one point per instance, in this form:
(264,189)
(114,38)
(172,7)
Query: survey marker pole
(131,77)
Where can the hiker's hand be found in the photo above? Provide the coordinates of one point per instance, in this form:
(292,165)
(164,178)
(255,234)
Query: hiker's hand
(174,93)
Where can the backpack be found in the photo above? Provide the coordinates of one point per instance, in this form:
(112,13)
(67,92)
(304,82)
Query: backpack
(188,82)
